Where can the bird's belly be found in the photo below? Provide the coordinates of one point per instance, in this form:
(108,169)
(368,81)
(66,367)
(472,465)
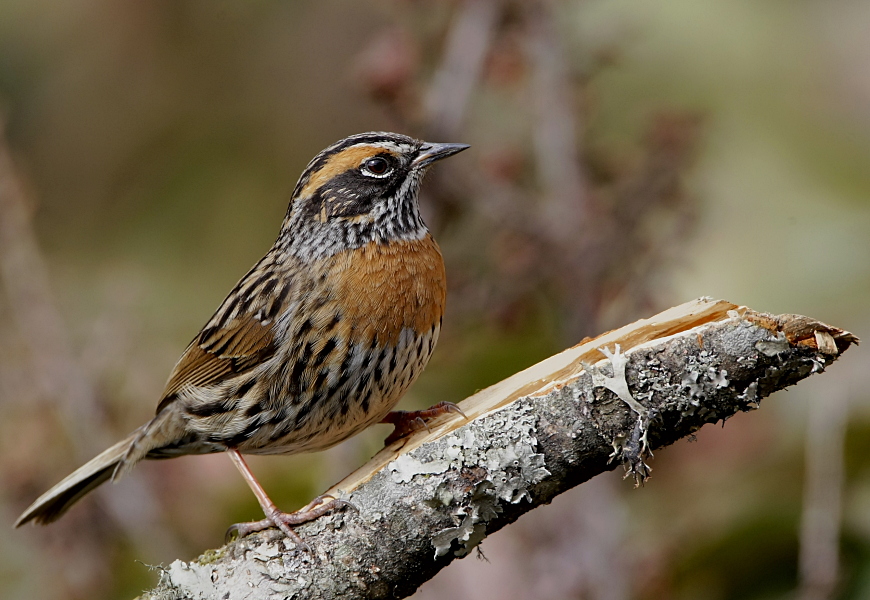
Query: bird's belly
(348,351)
(348,401)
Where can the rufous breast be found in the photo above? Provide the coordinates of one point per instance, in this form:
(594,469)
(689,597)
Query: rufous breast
(385,288)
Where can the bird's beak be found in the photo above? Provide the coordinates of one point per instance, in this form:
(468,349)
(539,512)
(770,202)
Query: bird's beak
(429,153)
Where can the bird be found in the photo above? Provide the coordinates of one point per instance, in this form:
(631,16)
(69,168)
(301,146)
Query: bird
(318,341)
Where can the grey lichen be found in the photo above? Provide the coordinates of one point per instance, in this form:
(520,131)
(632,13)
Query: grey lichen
(502,451)
(406,466)
(632,447)
(618,383)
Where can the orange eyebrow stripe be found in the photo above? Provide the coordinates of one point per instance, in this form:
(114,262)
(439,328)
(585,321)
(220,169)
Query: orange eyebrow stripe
(345,160)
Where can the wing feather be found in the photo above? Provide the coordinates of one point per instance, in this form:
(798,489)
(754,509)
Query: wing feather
(229,346)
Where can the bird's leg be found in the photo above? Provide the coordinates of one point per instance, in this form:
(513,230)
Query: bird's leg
(407,422)
(275,517)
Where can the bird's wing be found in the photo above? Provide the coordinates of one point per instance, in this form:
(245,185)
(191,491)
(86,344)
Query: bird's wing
(238,337)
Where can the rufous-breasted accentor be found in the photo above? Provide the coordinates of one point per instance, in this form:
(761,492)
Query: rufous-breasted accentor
(319,340)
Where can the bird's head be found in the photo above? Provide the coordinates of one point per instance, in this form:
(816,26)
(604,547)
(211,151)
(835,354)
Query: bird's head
(361,189)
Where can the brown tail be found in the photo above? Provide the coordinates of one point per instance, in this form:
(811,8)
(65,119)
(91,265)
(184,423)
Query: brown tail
(53,503)
(149,441)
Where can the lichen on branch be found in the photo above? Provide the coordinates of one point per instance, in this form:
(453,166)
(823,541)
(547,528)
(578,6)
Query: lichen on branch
(431,498)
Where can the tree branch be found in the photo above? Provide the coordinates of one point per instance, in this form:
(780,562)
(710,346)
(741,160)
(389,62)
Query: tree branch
(527,439)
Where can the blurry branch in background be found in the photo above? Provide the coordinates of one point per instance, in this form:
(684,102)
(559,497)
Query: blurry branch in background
(564,214)
(558,162)
(433,497)
(26,283)
(824,480)
(466,48)
(69,397)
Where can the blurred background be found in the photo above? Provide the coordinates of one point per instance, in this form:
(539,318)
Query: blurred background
(626,157)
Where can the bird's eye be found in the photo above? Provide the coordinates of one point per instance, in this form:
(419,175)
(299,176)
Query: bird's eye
(377,167)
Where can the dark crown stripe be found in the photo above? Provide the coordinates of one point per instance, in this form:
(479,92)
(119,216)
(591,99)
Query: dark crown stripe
(371,137)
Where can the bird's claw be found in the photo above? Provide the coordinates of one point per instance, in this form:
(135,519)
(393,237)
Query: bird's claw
(407,422)
(283,520)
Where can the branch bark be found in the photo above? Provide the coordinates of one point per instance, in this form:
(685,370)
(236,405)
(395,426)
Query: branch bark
(431,498)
